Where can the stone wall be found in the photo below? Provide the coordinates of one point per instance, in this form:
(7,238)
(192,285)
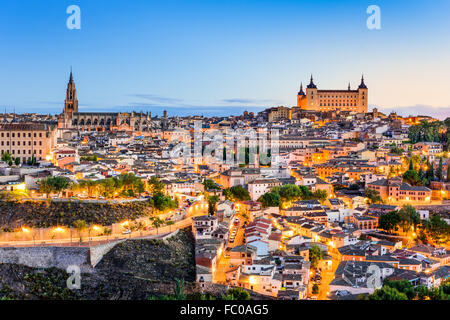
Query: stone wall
(97,252)
(47,257)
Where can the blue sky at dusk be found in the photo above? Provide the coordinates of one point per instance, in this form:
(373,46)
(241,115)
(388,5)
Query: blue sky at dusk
(222,57)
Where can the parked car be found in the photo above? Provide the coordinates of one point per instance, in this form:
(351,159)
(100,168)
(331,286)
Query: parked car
(126,232)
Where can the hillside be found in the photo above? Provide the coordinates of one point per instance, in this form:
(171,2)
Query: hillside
(133,270)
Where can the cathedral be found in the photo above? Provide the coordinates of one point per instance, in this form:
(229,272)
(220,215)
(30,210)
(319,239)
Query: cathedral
(330,100)
(72,119)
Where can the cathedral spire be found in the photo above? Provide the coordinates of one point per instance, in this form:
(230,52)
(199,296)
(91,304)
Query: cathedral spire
(71,76)
(362,85)
(311,84)
(301,92)
(71,102)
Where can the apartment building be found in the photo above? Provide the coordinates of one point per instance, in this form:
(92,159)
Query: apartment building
(25,140)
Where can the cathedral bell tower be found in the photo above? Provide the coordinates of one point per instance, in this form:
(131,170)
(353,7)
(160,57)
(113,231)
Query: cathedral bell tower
(71,102)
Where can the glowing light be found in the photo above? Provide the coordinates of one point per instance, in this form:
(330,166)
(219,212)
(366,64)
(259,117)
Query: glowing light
(21,187)
(96,228)
(252,280)
(25,230)
(58,230)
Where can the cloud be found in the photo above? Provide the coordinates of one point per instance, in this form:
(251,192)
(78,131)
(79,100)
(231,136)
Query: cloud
(418,109)
(156,99)
(250,101)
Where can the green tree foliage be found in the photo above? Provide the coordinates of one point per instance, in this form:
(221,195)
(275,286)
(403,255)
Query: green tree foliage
(6,157)
(53,185)
(292,192)
(389,221)
(162,203)
(237,193)
(270,199)
(156,186)
(430,132)
(236,294)
(396,150)
(315,255)
(315,288)
(127,185)
(404,290)
(288,192)
(437,229)
(387,293)
(91,158)
(409,217)
(210,185)
(412,177)
(17,161)
(81,226)
(373,196)
(440,170)
(405,218)
(212,204)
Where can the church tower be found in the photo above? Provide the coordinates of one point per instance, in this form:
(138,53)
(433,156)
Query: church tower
(71,102)
(301,98)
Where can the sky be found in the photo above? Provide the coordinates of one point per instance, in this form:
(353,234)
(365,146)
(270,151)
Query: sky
(222,57)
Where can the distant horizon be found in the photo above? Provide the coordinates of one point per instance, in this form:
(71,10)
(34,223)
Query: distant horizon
(222,57)
(221,111)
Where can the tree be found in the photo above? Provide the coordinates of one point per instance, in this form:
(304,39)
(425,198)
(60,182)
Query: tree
(387,293)
(156,186)
(237,193)
(402,286)
(236,294)
(396,150)
(80,225)
(53,185)
(107,232)
(212,204)
(408,217)
(6,157)
(210,185)
(17,161)
(429,174)
(315,289)
(315,255)
(320,195)
(440,171)
(270,199)
(157,223)
(389,221)
(437,229)
(373,196)
(412,177)
(411,165)
(162,203)
(290,192)
(45,187)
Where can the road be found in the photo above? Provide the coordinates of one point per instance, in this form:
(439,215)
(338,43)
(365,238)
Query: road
(197,209)
(224,263)
(327,277)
